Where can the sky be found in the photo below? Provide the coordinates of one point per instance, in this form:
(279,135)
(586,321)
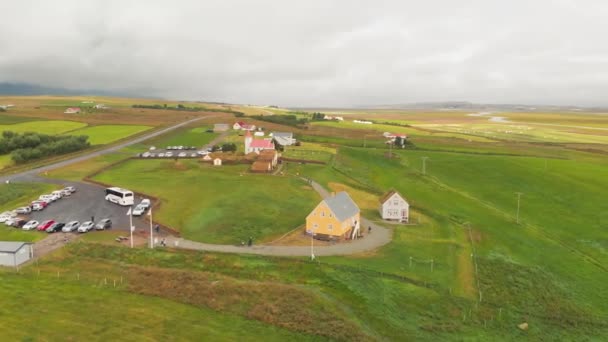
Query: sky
(315,52)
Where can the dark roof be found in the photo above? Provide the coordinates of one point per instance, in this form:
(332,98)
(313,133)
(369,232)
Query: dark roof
(342,205)
(11,246)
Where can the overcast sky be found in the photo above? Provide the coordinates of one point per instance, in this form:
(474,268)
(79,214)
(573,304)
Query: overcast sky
(314,52)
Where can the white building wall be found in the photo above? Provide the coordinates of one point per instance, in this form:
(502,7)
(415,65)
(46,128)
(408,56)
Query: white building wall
(391,211)
(9,259)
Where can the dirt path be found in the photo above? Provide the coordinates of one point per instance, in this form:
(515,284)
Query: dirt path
(52,242)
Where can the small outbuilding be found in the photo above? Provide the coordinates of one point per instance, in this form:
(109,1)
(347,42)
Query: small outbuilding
(72,110)
(220,127)
(217,162)
(393,206)
(13,253)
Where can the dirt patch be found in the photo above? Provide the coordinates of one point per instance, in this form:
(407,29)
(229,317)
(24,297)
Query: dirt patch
(52,242)
(296,238)
(465,268)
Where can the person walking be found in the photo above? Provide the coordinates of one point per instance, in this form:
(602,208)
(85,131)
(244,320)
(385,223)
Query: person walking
(250,241)
(369,229)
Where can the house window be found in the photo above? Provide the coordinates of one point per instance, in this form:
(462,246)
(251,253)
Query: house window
(330,227)
(396,202)
(330,215)
(315,226)
(322,213)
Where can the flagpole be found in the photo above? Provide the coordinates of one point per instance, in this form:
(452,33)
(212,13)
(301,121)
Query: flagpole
(151,237)
(131,225)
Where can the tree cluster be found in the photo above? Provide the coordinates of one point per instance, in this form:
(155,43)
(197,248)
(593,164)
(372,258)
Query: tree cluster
(288,120)
(316,116)
(29,146)
(181,107)
(227,147)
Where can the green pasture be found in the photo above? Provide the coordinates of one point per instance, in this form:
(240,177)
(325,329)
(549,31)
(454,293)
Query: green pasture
(8,119)
(217,204)
(105,134)
(51,127)
(189,136)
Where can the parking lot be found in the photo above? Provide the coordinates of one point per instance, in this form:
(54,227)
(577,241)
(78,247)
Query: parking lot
(87,202)
(175,152)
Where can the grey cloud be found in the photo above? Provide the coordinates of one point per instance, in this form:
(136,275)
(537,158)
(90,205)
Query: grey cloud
(314,53)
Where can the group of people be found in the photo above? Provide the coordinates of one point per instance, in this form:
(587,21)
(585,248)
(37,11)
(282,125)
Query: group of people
(249,242)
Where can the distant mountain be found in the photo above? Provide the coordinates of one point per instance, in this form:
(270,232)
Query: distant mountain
(24,89)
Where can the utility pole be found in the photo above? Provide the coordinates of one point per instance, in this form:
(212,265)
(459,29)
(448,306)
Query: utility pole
(518,201)
(312,239)
(424,165)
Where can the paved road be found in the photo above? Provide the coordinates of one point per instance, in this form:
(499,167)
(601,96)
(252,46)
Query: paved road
(31,175)
(379,237)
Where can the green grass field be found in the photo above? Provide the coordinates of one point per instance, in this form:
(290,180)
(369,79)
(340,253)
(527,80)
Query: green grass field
(105,134)
(51,127)
(217,204)
(196,137)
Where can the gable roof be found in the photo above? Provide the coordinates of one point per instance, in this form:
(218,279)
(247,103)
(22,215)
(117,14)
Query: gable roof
(342,205)
(261,143)
(261,165)
(288,135)
(389,194)
(11,247)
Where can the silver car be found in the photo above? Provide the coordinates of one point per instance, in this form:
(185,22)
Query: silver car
(70,227)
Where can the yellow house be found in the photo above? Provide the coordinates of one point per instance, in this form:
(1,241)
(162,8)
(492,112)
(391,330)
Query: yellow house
(336,216)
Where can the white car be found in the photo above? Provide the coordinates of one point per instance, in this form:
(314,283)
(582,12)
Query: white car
(47,198)
(70,227)
(10,221)
(37,207)
(145,154)
(161,154)
(31,225)
(193,155)
(4,218)
(169,154)
(202,153)
(57,193)
(23,210)
(70,189)
(182,154)
(139,210)
(65,193)
(145,203)
(86,226)
(152,148)
(55,196)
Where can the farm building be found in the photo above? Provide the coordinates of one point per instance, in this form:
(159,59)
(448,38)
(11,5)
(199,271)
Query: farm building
(217,162)
(283,138)
(257,145)
(266,161)
(261,166)
(14,254)
(394,207)
(72,110)
(335,217)
(220,127)
(243,126)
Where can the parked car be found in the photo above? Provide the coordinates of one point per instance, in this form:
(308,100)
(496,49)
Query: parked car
(70,189)
(4,217)
(104,224)
(193,155)
(145,203)
(18,222)
(161,154)
(47,198)
(57,193)
(55,197)
(44,225)
(30,225)
(65,192)
(37,206)
(70,227)
(86,226)
(139,210)
(145,154)
(23,210)
(182,154)
(44,204)
(152,148)
(56,227)
(169,154)
(152,155)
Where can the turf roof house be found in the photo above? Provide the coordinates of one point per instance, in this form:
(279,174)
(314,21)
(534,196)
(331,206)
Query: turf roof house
(394,207)
(257,145)
(335,217)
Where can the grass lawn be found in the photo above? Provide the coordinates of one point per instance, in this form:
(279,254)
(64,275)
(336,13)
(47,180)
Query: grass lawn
(8,119)
(217,204)
(105,134)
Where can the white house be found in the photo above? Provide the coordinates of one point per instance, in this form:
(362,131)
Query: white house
(283,138)
(72,110)
(14,254)
(217,162)
(394,207)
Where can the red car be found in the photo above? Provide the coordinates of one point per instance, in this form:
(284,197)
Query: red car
(42,203)
(44,225)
